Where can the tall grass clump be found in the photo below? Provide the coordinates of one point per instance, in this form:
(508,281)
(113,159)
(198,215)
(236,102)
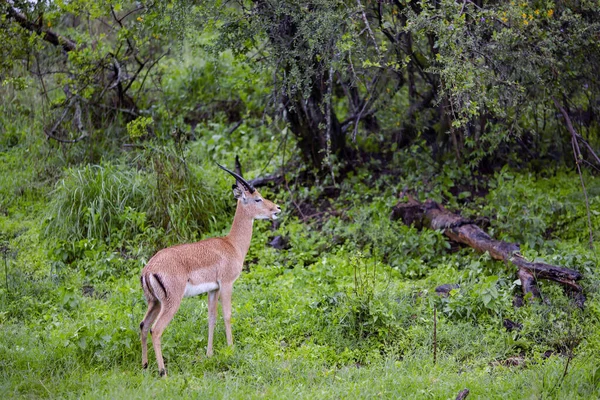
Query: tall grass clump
(111,202)
(90,202)
(186,199)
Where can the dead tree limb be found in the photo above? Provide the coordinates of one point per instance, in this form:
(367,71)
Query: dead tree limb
(269,180)
(434,216)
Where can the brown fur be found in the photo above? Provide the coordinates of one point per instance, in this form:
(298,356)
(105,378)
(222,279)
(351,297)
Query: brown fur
(220,260)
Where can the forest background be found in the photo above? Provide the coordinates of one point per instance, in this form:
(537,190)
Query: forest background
(115,112)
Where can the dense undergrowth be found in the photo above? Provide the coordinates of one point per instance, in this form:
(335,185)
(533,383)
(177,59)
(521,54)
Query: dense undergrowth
(344,310)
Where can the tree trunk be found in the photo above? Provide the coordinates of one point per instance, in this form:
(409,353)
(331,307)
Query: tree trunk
(308,121)
(310,118)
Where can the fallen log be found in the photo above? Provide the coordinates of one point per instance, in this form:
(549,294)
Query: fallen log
(272,180)
(434,216)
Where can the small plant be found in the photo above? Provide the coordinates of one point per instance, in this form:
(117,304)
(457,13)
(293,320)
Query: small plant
(367,314)
(139,127)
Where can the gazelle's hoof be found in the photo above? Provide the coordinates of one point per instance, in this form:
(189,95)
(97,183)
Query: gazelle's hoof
(145,365)
(163,372)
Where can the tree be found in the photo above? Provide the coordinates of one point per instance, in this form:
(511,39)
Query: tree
(473,78)
(481,82)
(99,55)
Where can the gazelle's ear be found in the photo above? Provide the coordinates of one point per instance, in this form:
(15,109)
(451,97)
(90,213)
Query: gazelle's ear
(239,192)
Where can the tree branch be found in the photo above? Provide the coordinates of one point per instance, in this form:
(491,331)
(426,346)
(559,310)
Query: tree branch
(368,27)
(577,155)
(48,35)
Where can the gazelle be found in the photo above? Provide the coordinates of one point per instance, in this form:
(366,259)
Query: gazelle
(209,266)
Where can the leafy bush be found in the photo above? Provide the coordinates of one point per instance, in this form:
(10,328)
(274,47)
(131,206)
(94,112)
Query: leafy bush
(532,214)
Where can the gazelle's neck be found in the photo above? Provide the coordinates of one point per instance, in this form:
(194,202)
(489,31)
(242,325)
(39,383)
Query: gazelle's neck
(240,234)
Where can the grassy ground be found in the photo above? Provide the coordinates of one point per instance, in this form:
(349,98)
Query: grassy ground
(346,311)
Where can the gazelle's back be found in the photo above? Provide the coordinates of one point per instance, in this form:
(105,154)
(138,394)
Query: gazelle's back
(191,258)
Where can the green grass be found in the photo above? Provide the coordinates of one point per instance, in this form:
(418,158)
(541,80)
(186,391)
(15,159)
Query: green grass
(345,312)
(247,372)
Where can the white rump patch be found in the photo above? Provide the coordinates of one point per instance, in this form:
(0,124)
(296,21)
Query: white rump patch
(193,290)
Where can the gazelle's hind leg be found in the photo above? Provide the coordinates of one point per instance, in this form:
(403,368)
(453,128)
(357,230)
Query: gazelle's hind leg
(145,325)
(213,301)
(226,293)
(167,311)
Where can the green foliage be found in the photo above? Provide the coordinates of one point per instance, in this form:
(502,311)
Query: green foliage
(480,296)
(139,127)
(346,309)
(532,215)
(336,310)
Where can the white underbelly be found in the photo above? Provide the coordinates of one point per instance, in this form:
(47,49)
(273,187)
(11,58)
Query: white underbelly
(193,290)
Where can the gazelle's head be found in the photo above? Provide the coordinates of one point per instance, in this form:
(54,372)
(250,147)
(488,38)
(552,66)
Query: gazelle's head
(252,201)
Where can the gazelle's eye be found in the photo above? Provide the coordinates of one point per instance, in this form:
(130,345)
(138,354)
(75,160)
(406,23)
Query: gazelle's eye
(258,200)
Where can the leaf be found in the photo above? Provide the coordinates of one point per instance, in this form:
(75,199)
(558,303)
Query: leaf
(486,299)
(596,377)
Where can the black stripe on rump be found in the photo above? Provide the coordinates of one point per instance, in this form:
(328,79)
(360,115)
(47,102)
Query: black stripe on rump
(160,282)
(146,286)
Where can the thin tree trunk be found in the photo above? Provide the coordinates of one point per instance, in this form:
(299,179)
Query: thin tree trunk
(309,122)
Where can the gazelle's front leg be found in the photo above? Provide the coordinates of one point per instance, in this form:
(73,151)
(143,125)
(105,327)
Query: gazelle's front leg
(213,301)
(226,293)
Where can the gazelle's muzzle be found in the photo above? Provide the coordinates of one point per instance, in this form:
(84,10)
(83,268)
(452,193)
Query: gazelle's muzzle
(275,212)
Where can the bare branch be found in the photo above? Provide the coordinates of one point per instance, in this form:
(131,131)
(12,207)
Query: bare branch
(589,147)
(129,44)
(233,129)
(145,75)
(118,74)
(78,117)
(127,14)
(61,119)
(577,155)
(80,138)
(119,109)
(366,21)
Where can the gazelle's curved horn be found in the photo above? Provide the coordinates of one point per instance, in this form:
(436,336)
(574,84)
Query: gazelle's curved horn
(238,178)
(238,166)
